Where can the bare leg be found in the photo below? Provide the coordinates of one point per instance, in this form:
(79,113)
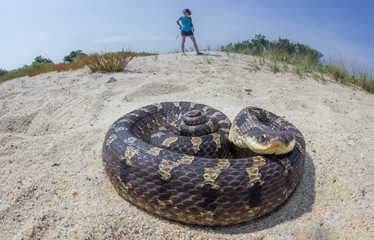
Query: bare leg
(182,46)
(194,43)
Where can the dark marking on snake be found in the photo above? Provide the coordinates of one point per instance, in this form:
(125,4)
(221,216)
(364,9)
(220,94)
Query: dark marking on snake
(210,197)
(254,195)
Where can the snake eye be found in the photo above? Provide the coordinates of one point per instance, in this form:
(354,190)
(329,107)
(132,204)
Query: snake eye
(263,137)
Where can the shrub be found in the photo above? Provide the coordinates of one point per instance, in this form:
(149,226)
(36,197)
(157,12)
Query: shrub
(282,49)
(109,62)
(41,59)
(74,56)
(3,72)
(256,46)
(40,63)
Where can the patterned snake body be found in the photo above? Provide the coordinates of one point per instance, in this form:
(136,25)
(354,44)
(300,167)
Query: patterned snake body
(174,159)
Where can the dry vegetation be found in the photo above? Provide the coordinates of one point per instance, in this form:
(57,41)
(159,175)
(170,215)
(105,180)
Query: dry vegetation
(109,62)
(105,62)
(56,67)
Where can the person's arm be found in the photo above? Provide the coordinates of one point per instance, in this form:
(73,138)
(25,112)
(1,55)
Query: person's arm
(180,26)
(192,28)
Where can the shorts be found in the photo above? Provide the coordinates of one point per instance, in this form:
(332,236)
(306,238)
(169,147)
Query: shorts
(190,33)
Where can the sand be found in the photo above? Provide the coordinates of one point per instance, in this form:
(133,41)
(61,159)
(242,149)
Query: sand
(52,126)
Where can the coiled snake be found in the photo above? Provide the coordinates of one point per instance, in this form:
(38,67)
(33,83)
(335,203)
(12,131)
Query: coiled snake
(184,161)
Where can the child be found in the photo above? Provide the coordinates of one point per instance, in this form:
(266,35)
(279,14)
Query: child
(187,30)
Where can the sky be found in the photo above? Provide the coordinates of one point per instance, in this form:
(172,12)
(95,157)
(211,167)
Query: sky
(336,28)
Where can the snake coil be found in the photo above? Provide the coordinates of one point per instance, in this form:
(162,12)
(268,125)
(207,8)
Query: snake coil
(175,160)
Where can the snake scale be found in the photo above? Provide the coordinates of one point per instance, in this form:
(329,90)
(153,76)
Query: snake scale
(187,162)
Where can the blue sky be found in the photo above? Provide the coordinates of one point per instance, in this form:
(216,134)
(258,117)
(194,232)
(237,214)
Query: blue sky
(54,28)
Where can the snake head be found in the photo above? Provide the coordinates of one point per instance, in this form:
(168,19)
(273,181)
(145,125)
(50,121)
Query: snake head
(262,132)
(269,142)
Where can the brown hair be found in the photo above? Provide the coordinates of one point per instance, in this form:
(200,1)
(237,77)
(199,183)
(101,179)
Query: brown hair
(187,11)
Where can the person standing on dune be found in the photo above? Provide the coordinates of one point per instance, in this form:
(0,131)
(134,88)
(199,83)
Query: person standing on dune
(187,28)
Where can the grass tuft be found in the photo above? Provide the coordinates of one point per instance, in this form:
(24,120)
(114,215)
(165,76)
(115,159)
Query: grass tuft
(253,64)
(207,60)
(109,62)
(274,66)
(299,72)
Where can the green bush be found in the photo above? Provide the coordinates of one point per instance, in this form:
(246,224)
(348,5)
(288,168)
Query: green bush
(40,62)
(40,59)
(74,56)
(3,72)
(282,49)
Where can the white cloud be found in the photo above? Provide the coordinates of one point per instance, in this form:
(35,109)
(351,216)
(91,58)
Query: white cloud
(125,38)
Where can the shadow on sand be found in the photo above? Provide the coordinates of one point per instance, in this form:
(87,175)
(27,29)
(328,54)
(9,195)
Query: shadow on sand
(210,55)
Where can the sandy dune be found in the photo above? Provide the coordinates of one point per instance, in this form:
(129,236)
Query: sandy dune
(53,185)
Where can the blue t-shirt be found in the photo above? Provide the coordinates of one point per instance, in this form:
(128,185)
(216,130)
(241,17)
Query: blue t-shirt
(186,23)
